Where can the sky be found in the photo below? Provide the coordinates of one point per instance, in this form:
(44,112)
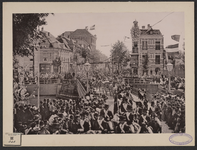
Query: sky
(111,27)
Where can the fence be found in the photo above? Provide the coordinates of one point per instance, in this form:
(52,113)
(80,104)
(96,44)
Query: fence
(150,88)
(138,80)
(43,81)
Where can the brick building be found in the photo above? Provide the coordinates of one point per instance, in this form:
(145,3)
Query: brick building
(82,37)
(146,42)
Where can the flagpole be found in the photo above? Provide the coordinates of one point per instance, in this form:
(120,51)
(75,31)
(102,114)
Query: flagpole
(38,79)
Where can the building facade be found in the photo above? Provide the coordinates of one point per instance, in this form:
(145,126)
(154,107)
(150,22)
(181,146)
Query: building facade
(46,57)
(147,50)
(82,37)
(50,52)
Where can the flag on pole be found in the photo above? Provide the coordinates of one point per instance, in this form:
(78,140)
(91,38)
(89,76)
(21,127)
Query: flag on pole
(92,27)
(126,37)
(176,37)
(172,48)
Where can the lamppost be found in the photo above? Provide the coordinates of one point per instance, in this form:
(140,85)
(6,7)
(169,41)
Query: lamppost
(169,68)
(87,68)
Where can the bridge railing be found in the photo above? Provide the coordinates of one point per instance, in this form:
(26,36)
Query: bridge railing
(138,81)
(43,81)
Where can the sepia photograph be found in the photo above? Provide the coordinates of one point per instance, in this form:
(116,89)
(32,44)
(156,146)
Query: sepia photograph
(99,73)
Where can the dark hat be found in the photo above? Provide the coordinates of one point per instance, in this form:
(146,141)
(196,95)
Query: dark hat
(119,96)
(106,106)
(129,108)
(96,114)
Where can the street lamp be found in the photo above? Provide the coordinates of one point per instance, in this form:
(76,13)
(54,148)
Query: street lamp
(169,68)
(87,68)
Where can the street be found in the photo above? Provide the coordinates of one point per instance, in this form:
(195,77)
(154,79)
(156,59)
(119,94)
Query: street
(110,102)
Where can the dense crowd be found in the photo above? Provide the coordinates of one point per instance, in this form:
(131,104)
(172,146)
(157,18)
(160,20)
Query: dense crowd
(91,114)
(173,112)
(176,82)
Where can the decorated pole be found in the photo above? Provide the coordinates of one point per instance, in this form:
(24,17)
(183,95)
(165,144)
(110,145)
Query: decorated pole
(38,79)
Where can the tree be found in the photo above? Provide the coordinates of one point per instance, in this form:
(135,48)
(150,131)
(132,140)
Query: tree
(96,56)
(119,53)
(25,32)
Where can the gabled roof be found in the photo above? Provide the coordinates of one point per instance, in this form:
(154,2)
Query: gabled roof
(146,32)
(66,33)
(66,41)
(81,32)
(53,41)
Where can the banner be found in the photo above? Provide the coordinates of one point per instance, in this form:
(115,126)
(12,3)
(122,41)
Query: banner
(176,37)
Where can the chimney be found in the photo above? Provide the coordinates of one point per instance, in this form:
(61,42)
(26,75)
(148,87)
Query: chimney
(143,27)
(48,33)
(42,28)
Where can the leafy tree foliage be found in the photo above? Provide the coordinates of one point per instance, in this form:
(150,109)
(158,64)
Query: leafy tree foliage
(119,53)
(93,56)
(25,32)
(96,56)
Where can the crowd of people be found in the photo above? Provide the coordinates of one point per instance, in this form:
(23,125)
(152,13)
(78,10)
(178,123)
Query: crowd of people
(92,115)
(173,112)
(59,116)
(176,82)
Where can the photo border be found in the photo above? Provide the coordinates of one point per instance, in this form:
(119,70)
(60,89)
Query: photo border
(97,7)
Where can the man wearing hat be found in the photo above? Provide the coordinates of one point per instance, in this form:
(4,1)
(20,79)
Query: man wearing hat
(108,116)
(144,122)
(96,124)
(106,113)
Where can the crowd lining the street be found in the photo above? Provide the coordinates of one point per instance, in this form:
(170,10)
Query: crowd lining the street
(91,114)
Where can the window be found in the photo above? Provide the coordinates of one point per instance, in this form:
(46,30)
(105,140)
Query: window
(45,68)
(157,45)
(135,47)
(143,58)
(50,58)
(157,59)
(55,69)
(151,41)
(144,45)
(45,57)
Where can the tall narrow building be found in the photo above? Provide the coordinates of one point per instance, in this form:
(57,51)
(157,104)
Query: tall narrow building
(147,50)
